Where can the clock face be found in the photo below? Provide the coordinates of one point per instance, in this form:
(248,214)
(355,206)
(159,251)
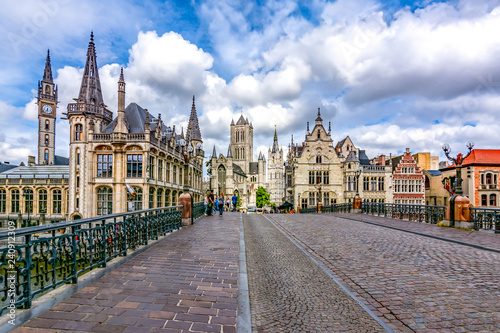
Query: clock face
(47,108)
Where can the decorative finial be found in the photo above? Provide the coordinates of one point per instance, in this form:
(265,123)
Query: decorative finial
(92,36)
(121,75)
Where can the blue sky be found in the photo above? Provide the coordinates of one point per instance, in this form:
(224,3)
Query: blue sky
(390,74)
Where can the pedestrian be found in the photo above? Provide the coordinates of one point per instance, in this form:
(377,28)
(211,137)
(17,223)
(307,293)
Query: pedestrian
(228,205)
(210,203)
(205,203)
(235,200)
(221,203)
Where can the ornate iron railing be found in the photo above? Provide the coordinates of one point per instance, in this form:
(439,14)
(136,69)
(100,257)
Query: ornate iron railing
(337,208)
(198,209)
(486,219)
(37,259)
(309,210)
(420,213)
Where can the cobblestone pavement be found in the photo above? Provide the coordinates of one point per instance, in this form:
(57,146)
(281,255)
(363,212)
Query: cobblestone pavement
(291,293)
(185,283)
(480,238)
(415,283)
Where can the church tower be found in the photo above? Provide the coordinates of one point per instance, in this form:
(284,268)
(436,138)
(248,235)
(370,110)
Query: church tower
(275,171)
(88,115)
(47,105)
(242,143)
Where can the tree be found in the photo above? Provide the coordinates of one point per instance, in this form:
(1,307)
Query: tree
(208,164)
(262,197)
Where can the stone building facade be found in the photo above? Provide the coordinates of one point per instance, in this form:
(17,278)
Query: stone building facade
(131,162)
(275,172)
(237,173)
(319,171)
(408,181)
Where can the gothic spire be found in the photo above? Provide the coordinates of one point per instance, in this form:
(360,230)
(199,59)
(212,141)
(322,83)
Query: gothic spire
(47,74)
(193,132)
(90,90)
(319,120)
(214,153)
(229,152)
(275,142)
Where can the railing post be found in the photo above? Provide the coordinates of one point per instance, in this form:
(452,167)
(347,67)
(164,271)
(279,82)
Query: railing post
(74,279)
(27,287)
(105,246)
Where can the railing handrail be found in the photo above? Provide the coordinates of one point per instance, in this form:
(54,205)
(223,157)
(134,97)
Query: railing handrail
(73,223)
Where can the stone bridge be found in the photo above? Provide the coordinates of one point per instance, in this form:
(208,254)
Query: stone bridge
(287,273)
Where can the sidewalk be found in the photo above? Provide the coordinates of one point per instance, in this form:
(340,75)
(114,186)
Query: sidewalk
(474,238)
(187,282)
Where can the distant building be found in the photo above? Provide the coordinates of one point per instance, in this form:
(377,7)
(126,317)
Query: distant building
(317,171)
(237,173)
(408,181)
(435,192)
(480,174)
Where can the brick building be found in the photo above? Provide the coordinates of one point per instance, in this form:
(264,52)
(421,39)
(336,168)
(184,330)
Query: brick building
(408,181)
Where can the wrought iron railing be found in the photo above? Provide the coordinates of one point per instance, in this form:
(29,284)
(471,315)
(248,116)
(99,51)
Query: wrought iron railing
(486,219)
(309,210)
(420,213)
(337,208)
(37,259)
(198,209)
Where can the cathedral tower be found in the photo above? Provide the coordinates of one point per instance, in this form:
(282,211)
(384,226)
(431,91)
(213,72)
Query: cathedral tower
(47,104)
(242,143)
(275,171)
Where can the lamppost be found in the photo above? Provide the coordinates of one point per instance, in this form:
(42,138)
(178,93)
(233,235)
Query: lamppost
(357,198)
(27,202)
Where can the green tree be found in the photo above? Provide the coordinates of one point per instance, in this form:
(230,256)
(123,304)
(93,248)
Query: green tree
(262,197)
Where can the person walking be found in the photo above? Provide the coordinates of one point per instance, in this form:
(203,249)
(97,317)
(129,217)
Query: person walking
(235,201)
(228,205)
(210,203)
(221,203)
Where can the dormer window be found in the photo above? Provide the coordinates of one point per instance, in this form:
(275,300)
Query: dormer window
(319,134)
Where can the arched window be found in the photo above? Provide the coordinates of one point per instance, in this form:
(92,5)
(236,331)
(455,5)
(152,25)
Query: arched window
(104,201)
(484,200)
(46,156)
(47,124)
(319,134)
(137,200)
(151,198)
(56,201)
(159,198)
(47,89)
(28,200)
(3,200)
(167,198)
(488,178)
(46,139)
(318,159)
(78,132)
(42,201)
(493,199)
(14,197)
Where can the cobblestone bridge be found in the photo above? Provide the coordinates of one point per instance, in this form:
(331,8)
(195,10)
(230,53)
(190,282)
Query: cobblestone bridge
(306,273)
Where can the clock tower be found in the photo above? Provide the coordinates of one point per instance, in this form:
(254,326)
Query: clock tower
(47,104)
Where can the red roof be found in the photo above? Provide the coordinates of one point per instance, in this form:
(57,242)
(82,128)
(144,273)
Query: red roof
(481,157)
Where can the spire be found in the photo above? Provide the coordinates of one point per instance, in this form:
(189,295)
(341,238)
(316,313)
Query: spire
(307,127)
(232,122)
(319,120)
(229,152)
(121,125)
(260,156)
(90,90)
(47,74)
(214,153)
(193,132)
(275,142)
(329,127)
(182,132)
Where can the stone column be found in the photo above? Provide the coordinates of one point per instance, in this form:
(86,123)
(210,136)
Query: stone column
(187,211)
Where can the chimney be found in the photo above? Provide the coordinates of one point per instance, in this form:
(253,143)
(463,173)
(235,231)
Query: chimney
(31,160)
(381,160)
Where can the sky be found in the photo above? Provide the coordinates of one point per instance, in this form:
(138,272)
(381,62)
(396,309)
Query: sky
(391,74)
